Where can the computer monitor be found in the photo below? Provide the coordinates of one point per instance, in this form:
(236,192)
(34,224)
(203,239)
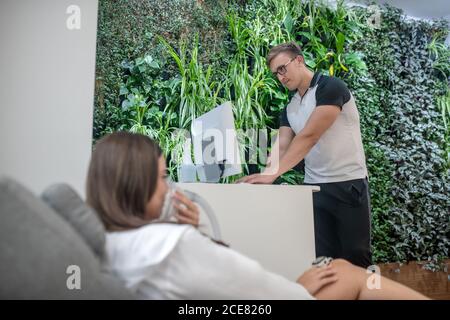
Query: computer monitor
(216,148)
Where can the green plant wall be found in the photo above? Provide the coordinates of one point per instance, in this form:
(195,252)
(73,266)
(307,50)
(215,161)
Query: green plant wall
(128,30)
(405,138)
(162,63)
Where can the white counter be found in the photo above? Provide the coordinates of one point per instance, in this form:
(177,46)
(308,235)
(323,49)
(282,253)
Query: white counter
(272,224)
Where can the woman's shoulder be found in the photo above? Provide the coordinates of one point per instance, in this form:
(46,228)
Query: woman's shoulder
(149,244)
(151,230)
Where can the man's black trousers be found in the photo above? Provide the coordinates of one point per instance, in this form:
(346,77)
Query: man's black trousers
(342,221)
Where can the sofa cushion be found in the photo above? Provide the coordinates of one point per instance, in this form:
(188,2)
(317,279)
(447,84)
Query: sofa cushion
(38,249)
(66,201)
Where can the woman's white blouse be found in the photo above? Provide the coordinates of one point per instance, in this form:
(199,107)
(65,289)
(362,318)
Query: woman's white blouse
(170,261)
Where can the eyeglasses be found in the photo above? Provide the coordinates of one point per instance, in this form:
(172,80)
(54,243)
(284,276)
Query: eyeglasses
(281,70)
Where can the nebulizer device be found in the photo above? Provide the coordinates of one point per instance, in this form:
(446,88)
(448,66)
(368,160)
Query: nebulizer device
(168,211)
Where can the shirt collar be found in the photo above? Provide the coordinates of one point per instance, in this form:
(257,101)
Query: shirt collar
(315,79)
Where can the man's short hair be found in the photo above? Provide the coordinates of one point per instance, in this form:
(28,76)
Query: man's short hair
(290,47)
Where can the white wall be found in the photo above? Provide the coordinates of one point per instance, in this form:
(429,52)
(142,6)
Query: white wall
(47,74)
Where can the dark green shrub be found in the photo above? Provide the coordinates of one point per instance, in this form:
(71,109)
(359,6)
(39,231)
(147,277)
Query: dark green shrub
(404,139)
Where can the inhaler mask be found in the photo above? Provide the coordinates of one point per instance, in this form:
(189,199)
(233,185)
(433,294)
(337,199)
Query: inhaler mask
(168,210)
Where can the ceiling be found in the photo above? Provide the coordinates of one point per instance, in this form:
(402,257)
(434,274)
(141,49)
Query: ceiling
(426,9)
(429,9)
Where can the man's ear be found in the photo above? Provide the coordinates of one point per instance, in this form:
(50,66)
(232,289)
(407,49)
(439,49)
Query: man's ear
(301,59)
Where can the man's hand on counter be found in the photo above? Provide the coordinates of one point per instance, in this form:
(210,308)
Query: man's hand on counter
(258,178)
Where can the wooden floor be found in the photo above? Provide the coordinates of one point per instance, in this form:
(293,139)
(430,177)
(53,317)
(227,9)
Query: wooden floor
(435,285)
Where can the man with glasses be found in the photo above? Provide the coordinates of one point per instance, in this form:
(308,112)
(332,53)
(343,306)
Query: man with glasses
(321,125)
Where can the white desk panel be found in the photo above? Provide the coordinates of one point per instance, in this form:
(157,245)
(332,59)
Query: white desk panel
(272,224)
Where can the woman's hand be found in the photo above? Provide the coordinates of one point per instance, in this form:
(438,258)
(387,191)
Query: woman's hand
(316,278)
(187,211)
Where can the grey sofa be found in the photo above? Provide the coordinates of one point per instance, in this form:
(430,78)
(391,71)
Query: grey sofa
(50,247)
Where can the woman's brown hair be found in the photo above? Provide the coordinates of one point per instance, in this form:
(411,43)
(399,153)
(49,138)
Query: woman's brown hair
(122,178)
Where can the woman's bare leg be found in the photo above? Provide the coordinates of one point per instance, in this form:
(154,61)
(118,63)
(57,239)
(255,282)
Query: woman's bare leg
(353,284)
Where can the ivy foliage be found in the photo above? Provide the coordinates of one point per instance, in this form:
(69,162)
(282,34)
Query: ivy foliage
(405,138)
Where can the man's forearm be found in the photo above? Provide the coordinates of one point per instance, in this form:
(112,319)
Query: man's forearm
(277,155)
(296,152)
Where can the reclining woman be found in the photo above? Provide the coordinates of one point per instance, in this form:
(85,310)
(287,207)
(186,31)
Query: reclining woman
(126,185)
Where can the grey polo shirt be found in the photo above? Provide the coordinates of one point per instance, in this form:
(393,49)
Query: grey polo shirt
(339,154)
